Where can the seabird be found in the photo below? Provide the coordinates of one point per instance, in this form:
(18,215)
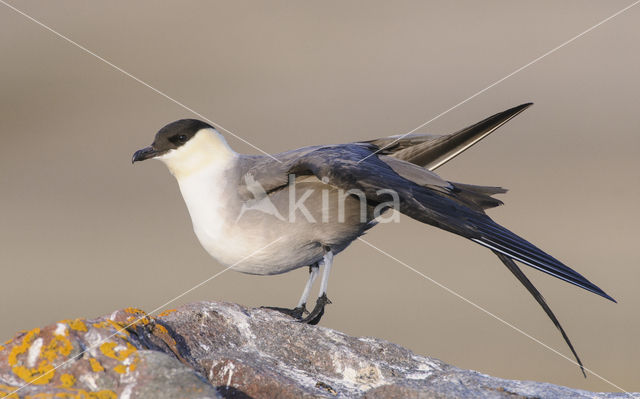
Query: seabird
(300,208)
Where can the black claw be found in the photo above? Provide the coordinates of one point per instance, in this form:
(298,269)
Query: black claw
(317,312)
(296,313)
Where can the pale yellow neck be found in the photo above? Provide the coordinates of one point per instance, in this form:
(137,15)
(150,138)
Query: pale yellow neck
(205,150)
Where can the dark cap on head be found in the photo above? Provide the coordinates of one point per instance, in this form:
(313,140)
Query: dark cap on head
(171,137)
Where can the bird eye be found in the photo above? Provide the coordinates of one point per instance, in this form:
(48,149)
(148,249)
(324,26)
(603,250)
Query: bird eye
(179,139)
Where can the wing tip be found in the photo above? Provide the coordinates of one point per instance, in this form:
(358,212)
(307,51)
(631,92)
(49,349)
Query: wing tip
(517,109)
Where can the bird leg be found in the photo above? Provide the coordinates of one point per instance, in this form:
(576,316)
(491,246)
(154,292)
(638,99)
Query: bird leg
(301,309)
(317,312)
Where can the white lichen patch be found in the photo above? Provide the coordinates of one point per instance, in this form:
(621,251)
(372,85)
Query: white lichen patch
(93,339)
(34,352)
(61,329)
(89,380)
(126,392)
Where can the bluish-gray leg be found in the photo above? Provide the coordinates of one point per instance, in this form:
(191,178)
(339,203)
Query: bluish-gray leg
(317,312)
(313,273)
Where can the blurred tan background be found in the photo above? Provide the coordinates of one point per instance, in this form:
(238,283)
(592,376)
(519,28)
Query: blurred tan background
(82,232)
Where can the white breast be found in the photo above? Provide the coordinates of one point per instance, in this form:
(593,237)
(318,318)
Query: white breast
(205,168)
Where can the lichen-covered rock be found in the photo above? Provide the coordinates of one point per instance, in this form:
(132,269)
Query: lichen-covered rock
(98,359)
(210,350)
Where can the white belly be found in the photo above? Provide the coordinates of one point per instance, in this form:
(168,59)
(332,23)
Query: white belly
(259,253)
(256,241)
(266,247)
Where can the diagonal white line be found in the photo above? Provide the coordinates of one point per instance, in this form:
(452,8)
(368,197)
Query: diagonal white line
(117,68)
(142,317)
(553,50)
(449,290)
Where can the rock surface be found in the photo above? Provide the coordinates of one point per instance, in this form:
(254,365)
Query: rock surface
(213,350)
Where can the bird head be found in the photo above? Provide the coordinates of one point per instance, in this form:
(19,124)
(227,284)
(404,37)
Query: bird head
(185,146)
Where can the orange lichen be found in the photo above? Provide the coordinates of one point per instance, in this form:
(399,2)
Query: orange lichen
(23,347)
(121,368)
(67,380)
(1,348)
(162,329)
(95,365)
(105,394)
(141,316)
(58,346)
(134,364)
(6,391)
(166,312)
(43,372)
(108,349)
(132,321)
(72,393)
(120,327)
(39,375)
(75,394)
(78,325)
(163,333)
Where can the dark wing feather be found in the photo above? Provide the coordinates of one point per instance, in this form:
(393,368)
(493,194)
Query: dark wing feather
(433,151)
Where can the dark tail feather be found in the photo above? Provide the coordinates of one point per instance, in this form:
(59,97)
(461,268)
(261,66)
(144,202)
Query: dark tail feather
(511,265)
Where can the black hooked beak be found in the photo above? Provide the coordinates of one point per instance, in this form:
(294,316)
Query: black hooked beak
(145,153)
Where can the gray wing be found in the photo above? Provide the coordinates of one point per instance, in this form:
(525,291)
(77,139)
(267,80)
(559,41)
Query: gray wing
(429,151)
(272,174)
(344,167)
(432,151)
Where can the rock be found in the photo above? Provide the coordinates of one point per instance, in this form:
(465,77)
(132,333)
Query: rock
(212,350)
